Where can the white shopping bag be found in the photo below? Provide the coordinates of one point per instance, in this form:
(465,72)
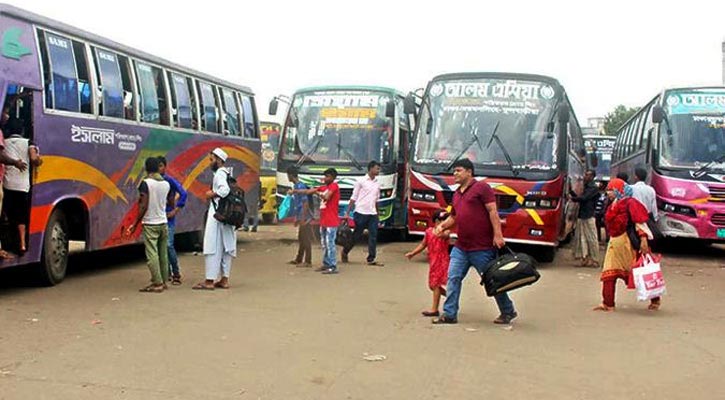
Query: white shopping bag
(648,279)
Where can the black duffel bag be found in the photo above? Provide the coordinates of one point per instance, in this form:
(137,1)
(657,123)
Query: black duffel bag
(508,272)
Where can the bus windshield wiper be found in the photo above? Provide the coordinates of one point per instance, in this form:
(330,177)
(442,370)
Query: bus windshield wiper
(310,152)
(506,154)
(351,157)
(474,139)
(707,167)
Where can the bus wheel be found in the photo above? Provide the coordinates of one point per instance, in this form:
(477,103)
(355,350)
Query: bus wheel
(546,254)
(54,260)
(268,219)
(189,241)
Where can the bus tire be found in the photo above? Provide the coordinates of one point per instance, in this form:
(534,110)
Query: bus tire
(189,241)
(546,254)
(54,257)
(268,219)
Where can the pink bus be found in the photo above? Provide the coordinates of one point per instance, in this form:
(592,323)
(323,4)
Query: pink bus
(679,137)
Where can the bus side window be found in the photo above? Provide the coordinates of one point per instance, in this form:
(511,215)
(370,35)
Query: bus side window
(84,81)
(62,82)
(250,130)
(129,105)
(231,112)
(47,80)
(152,94)
(181,101)
(110,84)
(208,107)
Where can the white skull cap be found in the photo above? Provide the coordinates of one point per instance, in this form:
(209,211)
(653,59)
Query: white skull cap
(220,153)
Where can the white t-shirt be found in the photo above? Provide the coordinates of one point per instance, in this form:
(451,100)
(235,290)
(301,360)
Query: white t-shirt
(16,147)
(157,192)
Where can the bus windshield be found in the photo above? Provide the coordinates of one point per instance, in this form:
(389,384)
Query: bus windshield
(696,134)
(347,127)
(458,118)
(270,145)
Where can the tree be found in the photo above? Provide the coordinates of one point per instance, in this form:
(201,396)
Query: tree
(615,119)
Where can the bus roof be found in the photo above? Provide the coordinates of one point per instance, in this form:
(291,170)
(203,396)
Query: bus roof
(496,75)
(44,22)
(350,87)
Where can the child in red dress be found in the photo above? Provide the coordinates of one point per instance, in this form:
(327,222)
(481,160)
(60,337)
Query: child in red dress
(438,260)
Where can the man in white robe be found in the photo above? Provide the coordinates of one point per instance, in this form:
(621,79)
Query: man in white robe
(220,240)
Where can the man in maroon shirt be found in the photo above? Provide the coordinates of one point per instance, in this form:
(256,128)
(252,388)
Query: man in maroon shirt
(478,227)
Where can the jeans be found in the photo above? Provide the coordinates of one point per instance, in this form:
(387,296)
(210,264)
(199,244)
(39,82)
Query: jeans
(155,239)
(254,219)
(173,258)
(329,252)
(461,261)
(369,222)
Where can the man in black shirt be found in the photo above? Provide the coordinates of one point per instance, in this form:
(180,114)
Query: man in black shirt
(586,245)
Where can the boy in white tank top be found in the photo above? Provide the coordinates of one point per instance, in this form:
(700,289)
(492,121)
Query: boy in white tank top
(153,194)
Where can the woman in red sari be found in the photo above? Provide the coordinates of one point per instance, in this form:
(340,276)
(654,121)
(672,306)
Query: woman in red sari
(620,255)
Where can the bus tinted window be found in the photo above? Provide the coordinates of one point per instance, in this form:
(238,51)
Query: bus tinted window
(149,85)
(231,120)
(111,85)
(248,111)
(64,80)
(84,85)
(208,108)
(129,108)
(181,98)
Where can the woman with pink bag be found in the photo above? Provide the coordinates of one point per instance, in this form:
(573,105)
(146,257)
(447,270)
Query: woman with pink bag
(620,253)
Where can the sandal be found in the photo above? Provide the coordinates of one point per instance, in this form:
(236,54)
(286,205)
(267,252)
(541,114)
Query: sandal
(603,307)
(176,280)
(152,289)
(654,306)
(220,285)
(202,286)
(430,313)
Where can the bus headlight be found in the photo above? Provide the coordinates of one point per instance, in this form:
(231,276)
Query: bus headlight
(386,193)
(677,209)
(542,203)
(421,195)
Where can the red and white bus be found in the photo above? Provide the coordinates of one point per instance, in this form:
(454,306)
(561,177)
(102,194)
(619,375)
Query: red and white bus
(524,140)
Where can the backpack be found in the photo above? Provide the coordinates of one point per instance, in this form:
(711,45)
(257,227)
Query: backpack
(233,208)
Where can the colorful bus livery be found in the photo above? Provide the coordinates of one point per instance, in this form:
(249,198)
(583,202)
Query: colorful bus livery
(96,110)
(523,139)
(679,138)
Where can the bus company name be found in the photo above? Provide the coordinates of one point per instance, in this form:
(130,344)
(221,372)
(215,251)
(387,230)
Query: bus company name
(58,42)
(503,90)
(90,135)
(697,100)
(340,101)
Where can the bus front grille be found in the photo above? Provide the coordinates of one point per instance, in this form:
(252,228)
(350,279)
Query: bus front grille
(718,219)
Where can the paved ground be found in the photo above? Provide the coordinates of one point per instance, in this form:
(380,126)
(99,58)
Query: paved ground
(286,333)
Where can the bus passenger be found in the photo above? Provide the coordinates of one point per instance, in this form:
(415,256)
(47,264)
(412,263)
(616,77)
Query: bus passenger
(16,183)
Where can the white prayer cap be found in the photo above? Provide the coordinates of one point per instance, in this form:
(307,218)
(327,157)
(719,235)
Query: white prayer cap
(220,153)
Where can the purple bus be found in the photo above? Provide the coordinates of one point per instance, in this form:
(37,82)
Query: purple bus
(96,110)
(679,137)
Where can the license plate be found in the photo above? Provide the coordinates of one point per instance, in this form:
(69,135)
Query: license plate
(721,233)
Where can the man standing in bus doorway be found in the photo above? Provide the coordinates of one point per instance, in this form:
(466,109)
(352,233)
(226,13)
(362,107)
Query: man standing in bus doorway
(220,240)
(476,219)
(586,245)
(364,202)
(176,201)
(153,194)
(6,160)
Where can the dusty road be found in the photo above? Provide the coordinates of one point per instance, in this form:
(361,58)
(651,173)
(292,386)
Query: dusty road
(287,333)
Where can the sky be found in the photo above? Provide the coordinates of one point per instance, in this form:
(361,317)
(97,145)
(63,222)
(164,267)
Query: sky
(605,53)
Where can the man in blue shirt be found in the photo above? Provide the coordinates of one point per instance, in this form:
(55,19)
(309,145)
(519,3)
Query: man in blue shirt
(302,211)
(175,202)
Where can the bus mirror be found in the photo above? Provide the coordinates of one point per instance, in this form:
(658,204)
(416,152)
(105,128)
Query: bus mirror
(429,126)
(390,109)
(563,113)
(273,106)
(409,104)
(658,114)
